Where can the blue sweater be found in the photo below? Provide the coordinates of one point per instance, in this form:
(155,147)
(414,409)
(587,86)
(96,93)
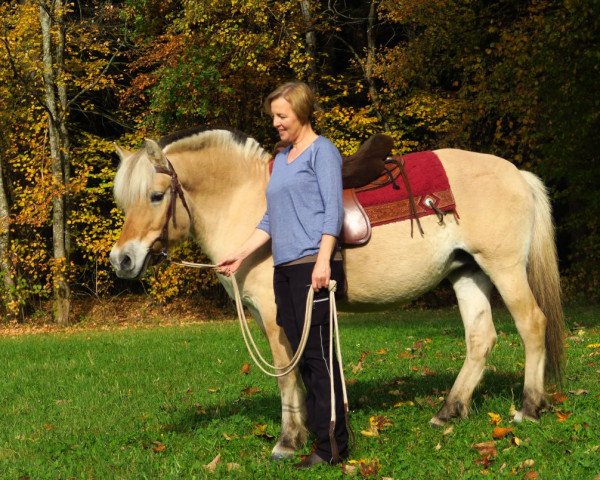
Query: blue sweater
(304,201)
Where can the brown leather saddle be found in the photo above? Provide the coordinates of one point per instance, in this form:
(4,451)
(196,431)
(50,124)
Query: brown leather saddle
(370,167)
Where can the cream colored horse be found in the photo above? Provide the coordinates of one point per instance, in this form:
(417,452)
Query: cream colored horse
(504,238)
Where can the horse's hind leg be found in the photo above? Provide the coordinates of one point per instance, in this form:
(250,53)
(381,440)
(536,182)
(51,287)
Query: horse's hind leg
(472,288)
(514,288)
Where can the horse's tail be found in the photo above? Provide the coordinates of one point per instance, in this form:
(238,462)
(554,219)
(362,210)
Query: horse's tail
(544,279)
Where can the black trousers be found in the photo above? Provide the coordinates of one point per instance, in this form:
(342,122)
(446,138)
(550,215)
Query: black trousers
(291,285)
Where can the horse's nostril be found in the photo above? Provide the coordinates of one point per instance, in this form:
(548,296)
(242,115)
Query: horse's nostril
(126,262)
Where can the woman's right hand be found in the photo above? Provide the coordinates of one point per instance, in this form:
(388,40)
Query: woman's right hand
(230,264)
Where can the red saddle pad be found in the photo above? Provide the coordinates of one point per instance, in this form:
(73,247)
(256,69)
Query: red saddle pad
(428,183)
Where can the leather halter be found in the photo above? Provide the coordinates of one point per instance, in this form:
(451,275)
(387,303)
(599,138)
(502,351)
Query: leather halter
(176,191)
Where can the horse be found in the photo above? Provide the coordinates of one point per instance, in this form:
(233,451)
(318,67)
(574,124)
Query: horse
(210,185)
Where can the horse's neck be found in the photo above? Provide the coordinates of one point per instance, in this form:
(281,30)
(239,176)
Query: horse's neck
(226,210)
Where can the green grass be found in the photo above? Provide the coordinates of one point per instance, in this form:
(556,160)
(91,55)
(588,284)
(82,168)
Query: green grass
(163,402)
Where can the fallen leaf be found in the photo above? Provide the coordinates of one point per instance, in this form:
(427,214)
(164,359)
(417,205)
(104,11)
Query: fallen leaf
(359,366)
(49,426)
(159,447)
(351,381)
(349,470)
(251,391)
(495,418)
(578,392)
(486,448)
(428,372)
(246,368)
(449,430)
(233,466)
(562,416)
(516,441)
(408,403)
(501,432)
(369,468)
(213,390)
(407,355)
(212,466)
(381,351)
(531,475)
(593,345)
(438,447)
(260,430)
(512,411)
(558,397)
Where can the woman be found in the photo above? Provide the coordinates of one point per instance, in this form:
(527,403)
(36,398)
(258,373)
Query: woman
(303,219)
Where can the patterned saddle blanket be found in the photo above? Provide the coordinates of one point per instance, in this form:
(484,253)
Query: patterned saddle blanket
(388,198)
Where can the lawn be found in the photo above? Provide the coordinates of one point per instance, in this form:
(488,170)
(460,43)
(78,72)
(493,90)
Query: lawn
(163,402)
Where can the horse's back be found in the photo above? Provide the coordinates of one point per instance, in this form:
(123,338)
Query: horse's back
(495,211)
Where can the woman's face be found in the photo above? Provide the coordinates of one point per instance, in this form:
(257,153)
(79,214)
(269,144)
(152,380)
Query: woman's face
(285,120)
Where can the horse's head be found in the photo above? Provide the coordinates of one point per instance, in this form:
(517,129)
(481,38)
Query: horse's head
(147,188)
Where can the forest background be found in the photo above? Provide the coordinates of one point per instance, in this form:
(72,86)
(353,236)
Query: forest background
(514,78)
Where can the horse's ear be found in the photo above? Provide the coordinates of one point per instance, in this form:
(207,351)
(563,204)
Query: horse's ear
(155,153)
(123,154)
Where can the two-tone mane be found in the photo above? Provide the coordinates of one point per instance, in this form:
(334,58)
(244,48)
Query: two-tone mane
(135,174)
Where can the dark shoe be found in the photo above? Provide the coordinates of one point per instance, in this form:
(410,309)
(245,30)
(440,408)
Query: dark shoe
(309,461)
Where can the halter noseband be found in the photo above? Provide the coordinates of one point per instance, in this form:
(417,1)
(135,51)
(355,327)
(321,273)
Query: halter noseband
(176,191)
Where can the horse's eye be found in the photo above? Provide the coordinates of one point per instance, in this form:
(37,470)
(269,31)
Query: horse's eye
(156,197)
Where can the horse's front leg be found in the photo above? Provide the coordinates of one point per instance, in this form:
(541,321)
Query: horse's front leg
(293,405)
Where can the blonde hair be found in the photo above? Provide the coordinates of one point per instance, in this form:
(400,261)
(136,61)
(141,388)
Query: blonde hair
(300,97)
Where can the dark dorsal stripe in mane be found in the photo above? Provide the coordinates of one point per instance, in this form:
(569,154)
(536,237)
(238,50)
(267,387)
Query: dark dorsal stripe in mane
(237,135)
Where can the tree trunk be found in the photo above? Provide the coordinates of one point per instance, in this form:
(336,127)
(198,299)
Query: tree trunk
(51,58)
(369,62)
(311,45)
(12,308)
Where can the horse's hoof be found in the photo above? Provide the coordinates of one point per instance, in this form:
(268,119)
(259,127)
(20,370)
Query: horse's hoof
(282,453)
(436,422)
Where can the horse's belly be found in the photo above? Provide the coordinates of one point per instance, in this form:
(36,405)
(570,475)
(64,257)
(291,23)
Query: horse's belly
(393,267)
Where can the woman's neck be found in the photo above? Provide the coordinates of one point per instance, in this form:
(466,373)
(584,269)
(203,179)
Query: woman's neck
(304,138)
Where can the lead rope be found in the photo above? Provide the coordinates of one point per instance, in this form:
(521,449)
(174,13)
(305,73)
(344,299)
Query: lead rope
(263,364)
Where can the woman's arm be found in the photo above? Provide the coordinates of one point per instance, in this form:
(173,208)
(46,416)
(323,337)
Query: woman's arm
(322,270)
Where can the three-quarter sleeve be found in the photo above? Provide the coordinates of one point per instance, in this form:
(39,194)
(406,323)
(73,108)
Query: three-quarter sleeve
(264,224)
(328,170)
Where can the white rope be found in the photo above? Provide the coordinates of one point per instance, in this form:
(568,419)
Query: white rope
(253,350)
(269,369)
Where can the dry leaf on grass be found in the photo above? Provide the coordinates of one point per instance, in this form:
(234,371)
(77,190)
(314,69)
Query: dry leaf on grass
(212,466)
(578,392)
(562,416)
(558,397)
(246,368)
(501,432)
(251,391)
(159,447)
(495,418)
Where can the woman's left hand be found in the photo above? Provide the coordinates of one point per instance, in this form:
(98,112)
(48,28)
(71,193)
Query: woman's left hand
(321,275)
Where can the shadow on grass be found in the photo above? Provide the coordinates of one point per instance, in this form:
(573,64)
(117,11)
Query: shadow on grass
(368,397)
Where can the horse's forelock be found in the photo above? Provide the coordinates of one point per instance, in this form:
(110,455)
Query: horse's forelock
(133,179)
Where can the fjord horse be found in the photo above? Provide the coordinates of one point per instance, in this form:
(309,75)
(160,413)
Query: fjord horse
(211,184)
